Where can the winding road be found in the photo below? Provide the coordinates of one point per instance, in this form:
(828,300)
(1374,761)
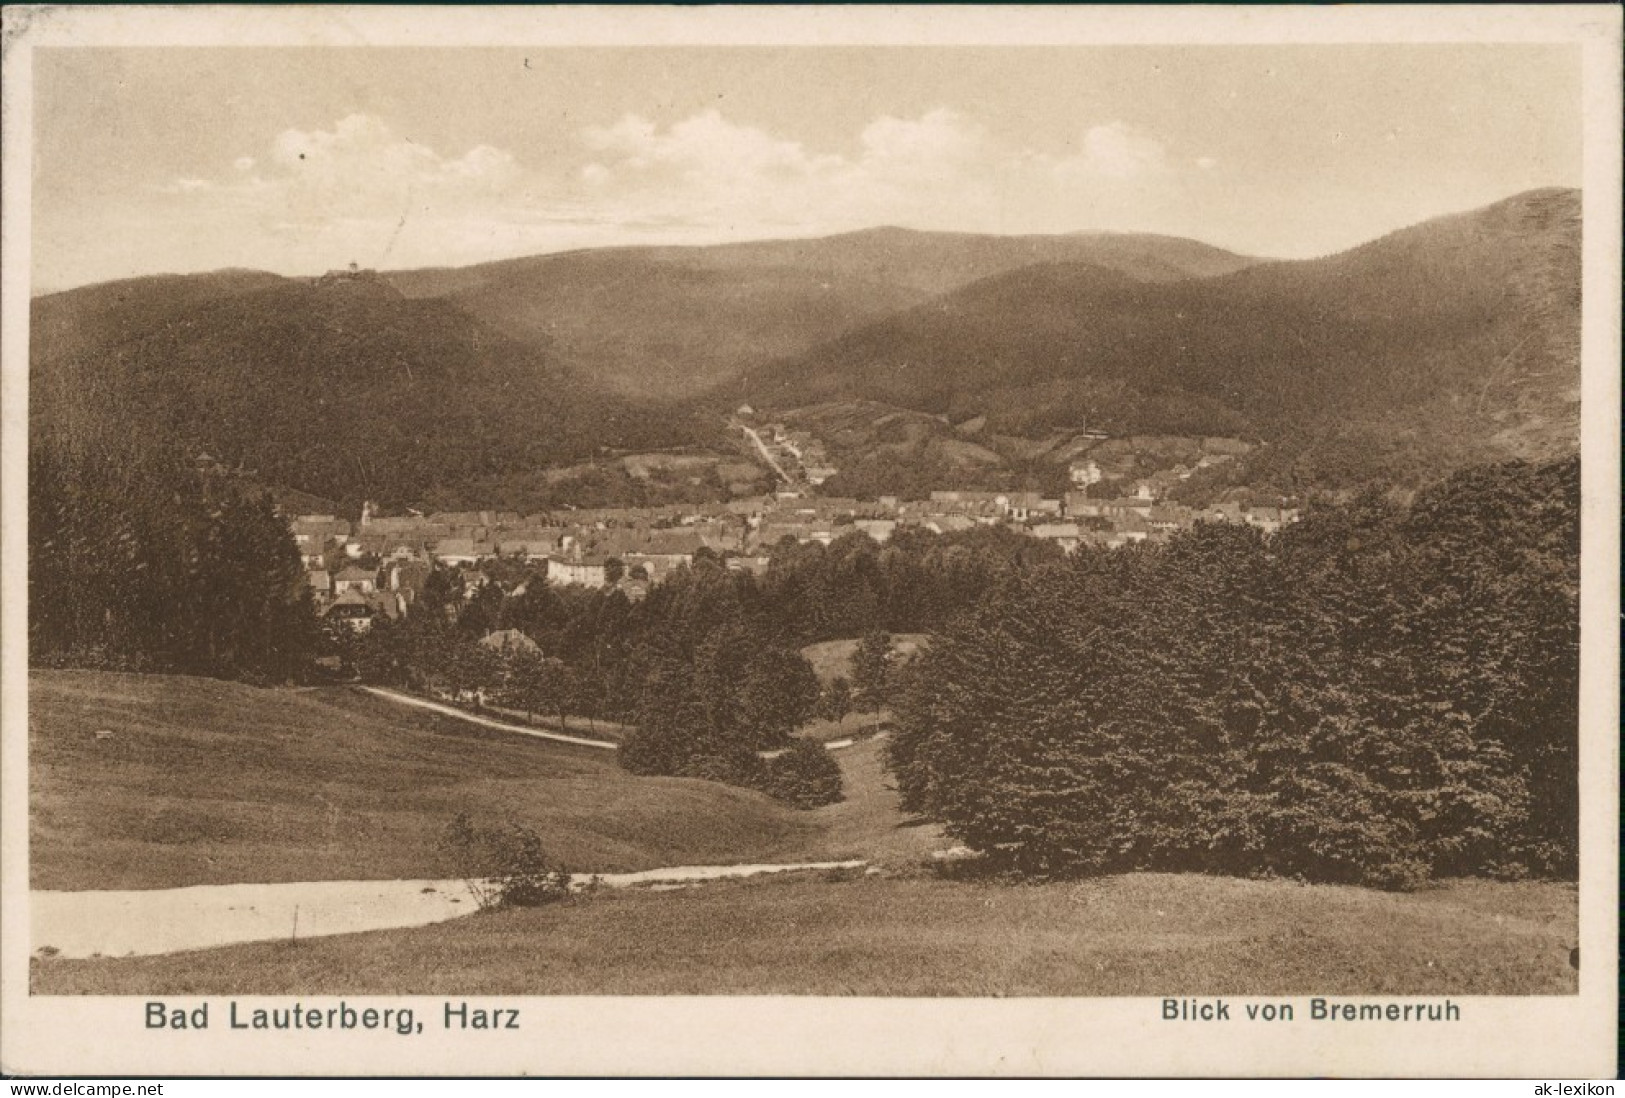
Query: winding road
(461,714)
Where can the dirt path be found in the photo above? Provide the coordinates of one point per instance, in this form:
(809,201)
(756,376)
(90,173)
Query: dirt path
(172,920)
(453,711)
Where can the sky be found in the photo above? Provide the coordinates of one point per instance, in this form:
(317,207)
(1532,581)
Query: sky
(298,161)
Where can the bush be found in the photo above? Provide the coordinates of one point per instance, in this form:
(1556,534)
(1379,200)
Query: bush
(732,767)
(504,866)
(804,775)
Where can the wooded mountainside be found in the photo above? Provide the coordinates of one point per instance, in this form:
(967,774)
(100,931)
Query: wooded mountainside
(1446,344)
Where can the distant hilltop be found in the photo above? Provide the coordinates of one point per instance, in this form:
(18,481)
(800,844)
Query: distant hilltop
(352,273)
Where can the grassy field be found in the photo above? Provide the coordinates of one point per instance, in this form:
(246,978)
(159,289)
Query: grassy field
(206,782)
(1145,934)
(833,659)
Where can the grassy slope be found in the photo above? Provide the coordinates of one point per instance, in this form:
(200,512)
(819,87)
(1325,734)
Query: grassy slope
(207,782)
(833,659)
(212,782)
(1147,934)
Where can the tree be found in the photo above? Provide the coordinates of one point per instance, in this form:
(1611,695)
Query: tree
(803,775)
(777,696)
(870,664)
(503,866)
(836,701)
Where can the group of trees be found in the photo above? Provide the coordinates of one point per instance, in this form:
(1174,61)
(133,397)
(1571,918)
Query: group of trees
(137,560)
(1375,695)
(706,669)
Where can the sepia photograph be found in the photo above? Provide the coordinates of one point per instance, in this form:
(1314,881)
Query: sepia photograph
(681,515)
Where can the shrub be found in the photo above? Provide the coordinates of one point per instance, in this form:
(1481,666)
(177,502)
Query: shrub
(804,775)
(505,865)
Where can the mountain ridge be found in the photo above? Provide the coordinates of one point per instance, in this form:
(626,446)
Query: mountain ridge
(1450,341)
(1467,323)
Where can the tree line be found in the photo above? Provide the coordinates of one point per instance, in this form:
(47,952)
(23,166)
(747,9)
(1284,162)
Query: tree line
(137,560)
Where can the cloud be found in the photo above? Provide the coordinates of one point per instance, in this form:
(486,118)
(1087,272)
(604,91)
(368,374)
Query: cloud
(361,190)
(362,167)
(707,168)
(1115,151)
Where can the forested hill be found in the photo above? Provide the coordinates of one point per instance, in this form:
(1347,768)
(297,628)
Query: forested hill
(342,386)
(674,322)
(1452,342)
(1446,343)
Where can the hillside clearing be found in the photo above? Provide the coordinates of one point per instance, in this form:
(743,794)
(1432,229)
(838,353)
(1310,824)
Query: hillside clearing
(827,934)
(833,659)
(208,782)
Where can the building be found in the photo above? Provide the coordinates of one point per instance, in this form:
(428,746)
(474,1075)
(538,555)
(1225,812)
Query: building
(1085,473)
(352,610)
(879,530)
(355,579)
(1067,535)
(510,642)
(585,571)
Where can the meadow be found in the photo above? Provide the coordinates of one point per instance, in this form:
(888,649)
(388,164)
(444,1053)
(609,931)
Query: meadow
(206,782)
(198,781)
(833,934)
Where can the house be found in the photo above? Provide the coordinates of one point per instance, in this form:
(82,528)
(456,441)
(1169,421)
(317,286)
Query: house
(1126,506)
(1067,535)
(510,642)
(407,577)
(1133,528)
(528,547)
(320,584)
(454,551)
(1267,519)
(1079,505)
(879,530)
(655,566)
(585,571)
(352,610)
(1085,473)
(355,579)
(314,533)
(388,604)
(1168,518)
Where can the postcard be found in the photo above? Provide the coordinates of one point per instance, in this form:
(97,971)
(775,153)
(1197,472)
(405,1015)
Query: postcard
(811,541)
